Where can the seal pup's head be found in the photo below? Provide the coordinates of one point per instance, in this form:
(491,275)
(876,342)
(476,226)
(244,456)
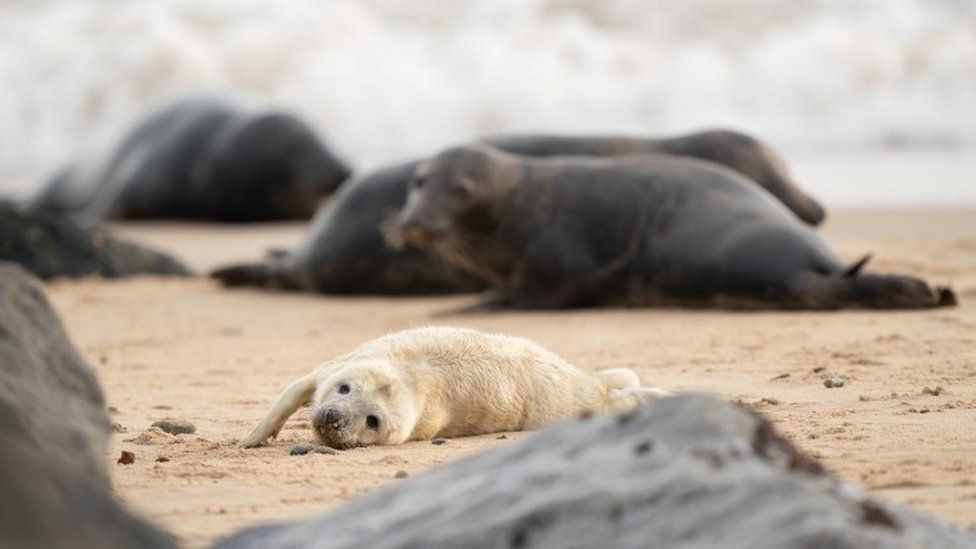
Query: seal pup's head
(456,183)
(361,404)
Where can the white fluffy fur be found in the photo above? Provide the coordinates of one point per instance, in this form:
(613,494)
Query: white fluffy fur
(448,382)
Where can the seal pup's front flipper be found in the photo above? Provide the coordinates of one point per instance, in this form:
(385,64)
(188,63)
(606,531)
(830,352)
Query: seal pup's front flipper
(296,395)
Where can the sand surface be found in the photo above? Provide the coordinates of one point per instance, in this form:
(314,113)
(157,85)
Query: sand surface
(904,425)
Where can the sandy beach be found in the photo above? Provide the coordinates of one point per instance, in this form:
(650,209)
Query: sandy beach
(902,426)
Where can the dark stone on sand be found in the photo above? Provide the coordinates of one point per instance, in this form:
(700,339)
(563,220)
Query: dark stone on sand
(127,458)
(833,383)
(50,246)
(691,472)
(439,441)
(300,449)
(175,426)
(54,432)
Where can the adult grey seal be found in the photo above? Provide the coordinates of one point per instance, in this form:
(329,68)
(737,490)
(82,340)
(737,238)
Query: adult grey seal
(651,231)
(51,246)
(202,158)
(743,153)
(346,252)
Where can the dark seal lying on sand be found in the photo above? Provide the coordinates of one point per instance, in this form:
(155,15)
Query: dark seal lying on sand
(743,153)
(50,246)
(669,231)
(202,158)
(345,251)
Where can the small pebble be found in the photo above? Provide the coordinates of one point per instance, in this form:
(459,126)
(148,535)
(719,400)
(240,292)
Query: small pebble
(934,392)
(833,382)
(784,375)
(439,441)
(303,448)
(401,474)
(118,428)
(162,459)
(501,437)
(819,369)
(643,447)
(175,427)
(127,458)
(112,410)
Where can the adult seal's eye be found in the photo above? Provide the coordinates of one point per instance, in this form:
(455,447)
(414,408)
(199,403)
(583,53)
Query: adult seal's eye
(461,191)
(418,182)
(343,389)
(372,422)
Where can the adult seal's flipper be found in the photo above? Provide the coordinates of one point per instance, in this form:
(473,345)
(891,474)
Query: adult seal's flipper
(855,268)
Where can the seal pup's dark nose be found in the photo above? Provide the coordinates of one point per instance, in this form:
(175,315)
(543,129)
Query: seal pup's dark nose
(326,420)
(332,417)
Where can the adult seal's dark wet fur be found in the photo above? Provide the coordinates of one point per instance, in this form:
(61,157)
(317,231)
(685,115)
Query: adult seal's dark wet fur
(51,246)
(743,153)
(202,158)
(652,231)
(345,251)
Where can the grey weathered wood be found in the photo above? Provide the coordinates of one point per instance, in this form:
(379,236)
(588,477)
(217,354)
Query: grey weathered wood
(687,472)
(54,489)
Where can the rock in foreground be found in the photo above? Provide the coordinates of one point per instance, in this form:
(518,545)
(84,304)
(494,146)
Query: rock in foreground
(51,246)
(53,434)
(687,472)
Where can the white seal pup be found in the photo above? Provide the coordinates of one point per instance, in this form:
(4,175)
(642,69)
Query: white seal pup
(445,382)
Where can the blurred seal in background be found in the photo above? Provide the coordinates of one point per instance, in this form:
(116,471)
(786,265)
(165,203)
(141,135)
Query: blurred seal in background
(743,153)
(345,251)
(349,249)
(201,158)
(668,231)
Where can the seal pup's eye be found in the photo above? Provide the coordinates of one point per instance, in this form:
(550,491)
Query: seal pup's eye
(344,388)
(418,182)
(372,422)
